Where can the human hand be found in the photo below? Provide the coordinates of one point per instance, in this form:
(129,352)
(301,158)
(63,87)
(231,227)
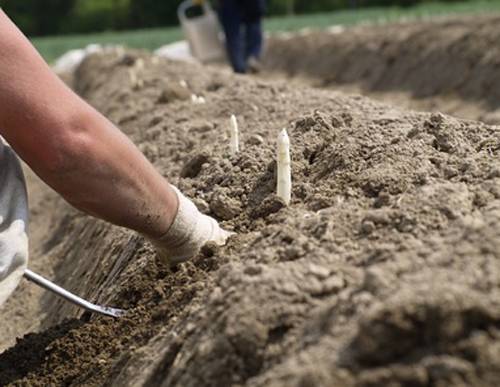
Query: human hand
(189,232)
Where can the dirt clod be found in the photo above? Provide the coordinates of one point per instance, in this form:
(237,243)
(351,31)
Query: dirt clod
(223,206)
(269,205)
(174,92)
(193,167)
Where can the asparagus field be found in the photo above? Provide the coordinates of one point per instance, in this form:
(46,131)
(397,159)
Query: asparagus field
(384,269)
(448,65)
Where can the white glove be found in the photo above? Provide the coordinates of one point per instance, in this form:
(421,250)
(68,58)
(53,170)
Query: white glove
(189,232)
(13,222)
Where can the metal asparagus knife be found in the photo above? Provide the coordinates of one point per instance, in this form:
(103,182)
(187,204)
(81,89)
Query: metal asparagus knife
(46,284)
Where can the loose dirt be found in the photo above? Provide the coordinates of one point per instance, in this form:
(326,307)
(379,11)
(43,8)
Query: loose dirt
(449,64)
(22,312)
(384,270)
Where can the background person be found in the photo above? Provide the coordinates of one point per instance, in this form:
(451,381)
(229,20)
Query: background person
(242,24)
(241,21)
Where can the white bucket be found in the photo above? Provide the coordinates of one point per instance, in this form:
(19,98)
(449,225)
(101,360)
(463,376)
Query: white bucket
(202,32)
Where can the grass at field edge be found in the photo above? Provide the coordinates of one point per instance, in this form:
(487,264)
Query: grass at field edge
(150,39)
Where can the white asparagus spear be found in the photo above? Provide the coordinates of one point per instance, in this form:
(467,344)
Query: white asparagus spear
(133,77)
(139,64)
(234,141)
(284,184)
(135,81)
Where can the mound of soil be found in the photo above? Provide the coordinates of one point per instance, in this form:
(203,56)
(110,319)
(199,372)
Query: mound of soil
(384,270)
(446,64)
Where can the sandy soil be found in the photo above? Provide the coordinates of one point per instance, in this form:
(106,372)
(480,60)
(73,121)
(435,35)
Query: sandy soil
(383,271)
(450,65)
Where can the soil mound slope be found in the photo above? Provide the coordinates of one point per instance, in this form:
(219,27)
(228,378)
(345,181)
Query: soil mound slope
(383,271)
(457,57)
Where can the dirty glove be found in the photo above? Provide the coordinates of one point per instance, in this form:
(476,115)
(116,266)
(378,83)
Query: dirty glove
(13,222)
(189,232)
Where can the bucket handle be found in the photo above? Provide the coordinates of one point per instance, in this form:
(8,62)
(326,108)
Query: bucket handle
(185,5)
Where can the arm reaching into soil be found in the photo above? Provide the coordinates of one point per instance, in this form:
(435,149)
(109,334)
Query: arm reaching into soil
(82,155)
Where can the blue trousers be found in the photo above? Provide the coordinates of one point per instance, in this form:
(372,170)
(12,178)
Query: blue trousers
(242,24)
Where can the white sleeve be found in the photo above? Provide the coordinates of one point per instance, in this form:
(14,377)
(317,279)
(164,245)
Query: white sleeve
(13,222)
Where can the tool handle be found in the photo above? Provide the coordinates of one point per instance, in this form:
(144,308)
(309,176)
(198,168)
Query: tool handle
(46,284)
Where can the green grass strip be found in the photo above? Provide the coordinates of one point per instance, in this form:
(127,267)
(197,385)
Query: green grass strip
(52,47)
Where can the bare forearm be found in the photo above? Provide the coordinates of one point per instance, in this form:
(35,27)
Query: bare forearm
(72,147)
(107,176)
